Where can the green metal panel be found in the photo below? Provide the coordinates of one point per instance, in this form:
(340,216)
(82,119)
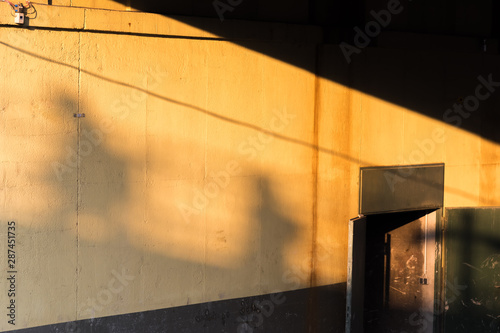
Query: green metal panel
(401,188)
(472,270)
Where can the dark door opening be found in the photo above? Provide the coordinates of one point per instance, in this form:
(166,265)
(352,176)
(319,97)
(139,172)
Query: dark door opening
(399,273)
(395,254)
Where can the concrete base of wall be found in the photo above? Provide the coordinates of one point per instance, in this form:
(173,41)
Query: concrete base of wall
(320,309)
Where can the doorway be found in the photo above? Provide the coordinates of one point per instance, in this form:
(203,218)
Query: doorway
(399,275)
(392,250)
(393,285)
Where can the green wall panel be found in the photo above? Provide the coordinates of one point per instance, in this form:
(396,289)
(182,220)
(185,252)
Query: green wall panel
(472,270)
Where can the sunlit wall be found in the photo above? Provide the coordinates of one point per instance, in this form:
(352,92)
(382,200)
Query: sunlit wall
(146,172)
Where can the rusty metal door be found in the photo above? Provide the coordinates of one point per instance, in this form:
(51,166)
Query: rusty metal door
(390,286)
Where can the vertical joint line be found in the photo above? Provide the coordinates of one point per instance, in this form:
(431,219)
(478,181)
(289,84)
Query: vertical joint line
(315,167)
(84,19)
(78,173)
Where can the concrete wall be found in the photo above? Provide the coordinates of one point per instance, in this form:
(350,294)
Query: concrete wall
(202,170)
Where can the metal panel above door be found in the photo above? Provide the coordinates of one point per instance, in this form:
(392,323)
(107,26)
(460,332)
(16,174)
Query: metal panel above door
(401,188)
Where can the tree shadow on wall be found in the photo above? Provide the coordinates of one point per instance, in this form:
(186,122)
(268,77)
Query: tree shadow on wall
(130,269)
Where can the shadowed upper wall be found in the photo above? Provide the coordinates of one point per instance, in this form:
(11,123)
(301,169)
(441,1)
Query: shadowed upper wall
(455,42)
(445,46)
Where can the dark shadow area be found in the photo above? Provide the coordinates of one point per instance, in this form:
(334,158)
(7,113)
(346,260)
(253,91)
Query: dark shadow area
(221,316)
(427,58)
(472,286)
(338,17)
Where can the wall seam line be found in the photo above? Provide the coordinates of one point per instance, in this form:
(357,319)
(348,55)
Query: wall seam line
(78,177)
(311,313)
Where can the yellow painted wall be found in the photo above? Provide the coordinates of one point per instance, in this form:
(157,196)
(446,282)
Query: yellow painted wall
(202,170)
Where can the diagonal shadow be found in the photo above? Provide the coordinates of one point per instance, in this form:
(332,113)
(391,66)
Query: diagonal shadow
(195,108)
(229,120)
(427,73)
